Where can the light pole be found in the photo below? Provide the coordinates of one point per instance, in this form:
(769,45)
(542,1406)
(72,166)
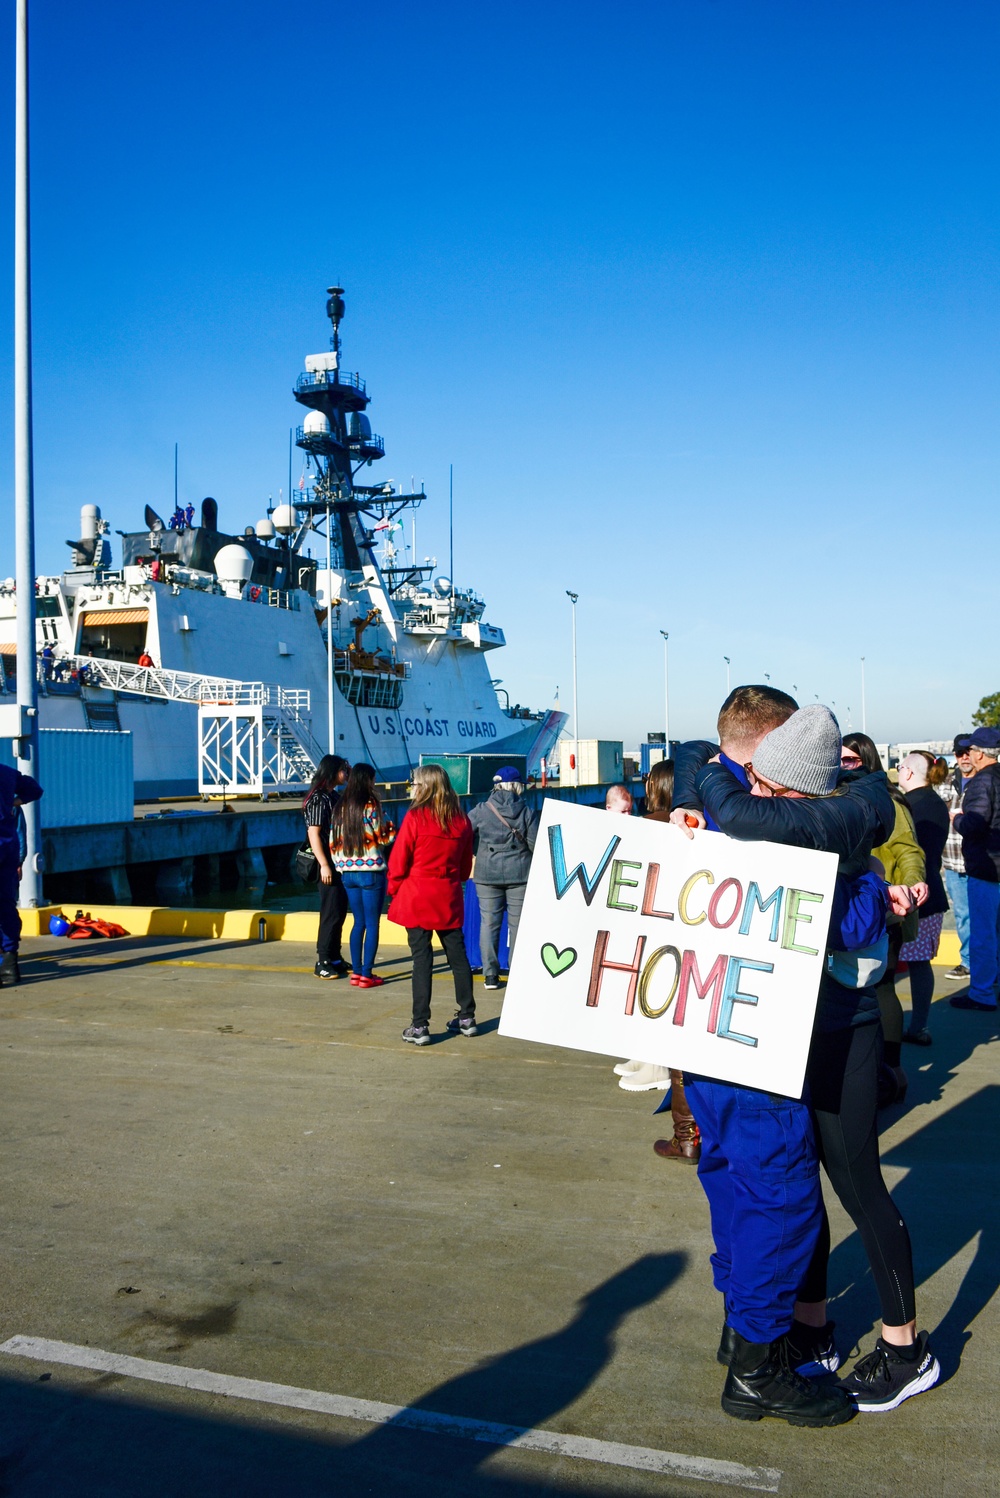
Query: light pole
(864,709)
(576,704)
(728,688)
(331,734)
(26,745)
(666,696)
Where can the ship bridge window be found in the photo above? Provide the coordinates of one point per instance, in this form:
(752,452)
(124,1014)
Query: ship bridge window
(47,607)
(114,634)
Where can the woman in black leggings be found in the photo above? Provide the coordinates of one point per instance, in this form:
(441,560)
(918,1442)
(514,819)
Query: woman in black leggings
(842,1079)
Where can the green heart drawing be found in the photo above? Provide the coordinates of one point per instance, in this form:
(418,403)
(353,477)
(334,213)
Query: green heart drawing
(557,962)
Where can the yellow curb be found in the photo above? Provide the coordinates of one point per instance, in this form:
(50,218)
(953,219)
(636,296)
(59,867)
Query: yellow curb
(234,925)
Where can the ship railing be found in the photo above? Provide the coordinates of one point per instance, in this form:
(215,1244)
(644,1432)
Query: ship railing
(185,686)
(317,379)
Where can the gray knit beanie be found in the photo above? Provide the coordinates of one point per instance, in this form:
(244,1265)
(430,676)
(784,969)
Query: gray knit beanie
(804,753)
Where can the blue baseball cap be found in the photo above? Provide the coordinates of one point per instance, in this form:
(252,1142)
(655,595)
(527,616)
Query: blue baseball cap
(506,774)
(985,738)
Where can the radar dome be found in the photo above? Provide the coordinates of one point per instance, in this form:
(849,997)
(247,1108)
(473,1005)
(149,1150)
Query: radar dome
(442,586)
(233,564)
(283,519)
(316,422)
(264,529)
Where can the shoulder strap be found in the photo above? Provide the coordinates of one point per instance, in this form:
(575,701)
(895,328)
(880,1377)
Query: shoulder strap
(514,831)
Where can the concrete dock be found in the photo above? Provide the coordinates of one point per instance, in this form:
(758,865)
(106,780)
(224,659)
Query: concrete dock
(225,1170)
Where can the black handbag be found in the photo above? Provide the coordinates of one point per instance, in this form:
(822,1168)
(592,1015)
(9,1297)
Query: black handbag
(307,864)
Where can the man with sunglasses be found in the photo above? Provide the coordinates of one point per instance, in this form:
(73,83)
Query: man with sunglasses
(978,822)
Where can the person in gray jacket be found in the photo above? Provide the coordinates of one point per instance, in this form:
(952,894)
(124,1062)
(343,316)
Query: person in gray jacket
(504,829)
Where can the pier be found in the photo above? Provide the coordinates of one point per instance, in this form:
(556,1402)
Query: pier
(231,1252)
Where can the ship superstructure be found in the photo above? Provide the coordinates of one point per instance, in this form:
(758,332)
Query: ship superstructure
(410,652)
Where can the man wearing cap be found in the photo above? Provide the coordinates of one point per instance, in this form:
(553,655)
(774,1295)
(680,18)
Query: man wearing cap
(504,829)
(952,863)
(978,822)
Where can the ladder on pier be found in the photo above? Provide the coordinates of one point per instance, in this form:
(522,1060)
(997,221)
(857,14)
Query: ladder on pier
(254,738)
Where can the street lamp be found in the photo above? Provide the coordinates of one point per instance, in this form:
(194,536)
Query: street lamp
(726,659)
(576,707)
(666,696)
(864,709)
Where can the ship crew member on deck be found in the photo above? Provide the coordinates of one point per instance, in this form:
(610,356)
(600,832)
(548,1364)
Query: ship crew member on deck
(504,830)
(15,791)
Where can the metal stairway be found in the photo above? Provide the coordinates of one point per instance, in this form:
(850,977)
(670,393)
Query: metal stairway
(253,736)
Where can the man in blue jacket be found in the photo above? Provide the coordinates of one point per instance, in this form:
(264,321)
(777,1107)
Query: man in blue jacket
(15,791)
(760,1163)
(979,825)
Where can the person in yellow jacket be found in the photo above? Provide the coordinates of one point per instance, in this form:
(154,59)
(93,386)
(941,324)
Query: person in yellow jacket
(903,861)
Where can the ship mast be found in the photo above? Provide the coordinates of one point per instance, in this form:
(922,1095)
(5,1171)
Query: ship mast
(338,441)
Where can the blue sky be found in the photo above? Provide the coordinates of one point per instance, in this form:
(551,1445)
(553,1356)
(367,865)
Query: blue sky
(698,296)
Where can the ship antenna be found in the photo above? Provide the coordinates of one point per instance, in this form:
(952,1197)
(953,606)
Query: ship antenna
(335,311)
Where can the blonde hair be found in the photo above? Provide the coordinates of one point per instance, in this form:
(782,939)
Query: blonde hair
(433,789)
(750,712)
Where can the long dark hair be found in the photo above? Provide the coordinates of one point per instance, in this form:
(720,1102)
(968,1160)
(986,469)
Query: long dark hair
(328,773)
(349,813)
(660,787)
(864,747)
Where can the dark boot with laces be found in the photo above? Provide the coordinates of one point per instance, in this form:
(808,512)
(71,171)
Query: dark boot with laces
(762,1382)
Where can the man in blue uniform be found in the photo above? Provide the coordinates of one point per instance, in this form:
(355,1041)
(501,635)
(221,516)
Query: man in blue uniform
(760,1165)
(15,791)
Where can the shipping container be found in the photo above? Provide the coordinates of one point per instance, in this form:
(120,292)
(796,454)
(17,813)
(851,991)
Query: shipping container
(85,774)
(471,774)
(591,761)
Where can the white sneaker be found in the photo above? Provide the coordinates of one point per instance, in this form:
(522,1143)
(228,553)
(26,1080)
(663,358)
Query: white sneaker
(624,1067)
(647,1078)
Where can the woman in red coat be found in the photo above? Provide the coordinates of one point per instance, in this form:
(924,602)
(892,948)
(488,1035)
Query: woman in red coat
(429,862)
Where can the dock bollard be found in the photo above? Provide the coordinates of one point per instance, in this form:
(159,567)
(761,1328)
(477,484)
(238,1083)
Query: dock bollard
(262,929)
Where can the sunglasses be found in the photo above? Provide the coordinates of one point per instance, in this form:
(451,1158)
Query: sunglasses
(766,788)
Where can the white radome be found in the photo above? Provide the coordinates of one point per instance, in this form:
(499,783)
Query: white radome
(233,564)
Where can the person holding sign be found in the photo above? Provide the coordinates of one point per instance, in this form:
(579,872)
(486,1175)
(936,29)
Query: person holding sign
(792,771)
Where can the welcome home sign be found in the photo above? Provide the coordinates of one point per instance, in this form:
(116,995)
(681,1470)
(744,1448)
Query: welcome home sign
(699,953)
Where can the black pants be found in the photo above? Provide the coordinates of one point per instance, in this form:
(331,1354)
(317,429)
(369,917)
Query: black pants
(423,966)
(843,1082)
(332,914)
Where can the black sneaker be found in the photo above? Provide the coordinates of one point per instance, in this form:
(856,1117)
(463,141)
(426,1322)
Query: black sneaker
(812,1350)
(761,1382)
(460,1026)
(10,973)
(962,1001)
(918,1037)
(328,970)
(882,1380)
(417,1034)
(958,973)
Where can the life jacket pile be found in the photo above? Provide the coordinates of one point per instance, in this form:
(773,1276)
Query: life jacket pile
(84,927)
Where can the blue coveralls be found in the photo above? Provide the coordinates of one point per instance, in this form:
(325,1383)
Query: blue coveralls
(760,1170)
(24,788)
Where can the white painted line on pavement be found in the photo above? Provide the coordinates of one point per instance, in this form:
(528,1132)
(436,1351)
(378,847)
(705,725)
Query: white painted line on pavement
(612,1453)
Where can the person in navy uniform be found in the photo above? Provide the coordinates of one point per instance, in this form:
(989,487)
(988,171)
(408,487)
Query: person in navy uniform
(15,791)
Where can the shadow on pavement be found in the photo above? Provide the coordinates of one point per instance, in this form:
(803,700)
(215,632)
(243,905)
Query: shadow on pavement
(85,1445)
(949,1199)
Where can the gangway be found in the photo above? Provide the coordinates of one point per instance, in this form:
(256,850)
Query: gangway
(254,737)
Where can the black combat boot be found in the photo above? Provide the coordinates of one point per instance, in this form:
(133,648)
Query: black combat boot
(10,973)
(761,1381)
